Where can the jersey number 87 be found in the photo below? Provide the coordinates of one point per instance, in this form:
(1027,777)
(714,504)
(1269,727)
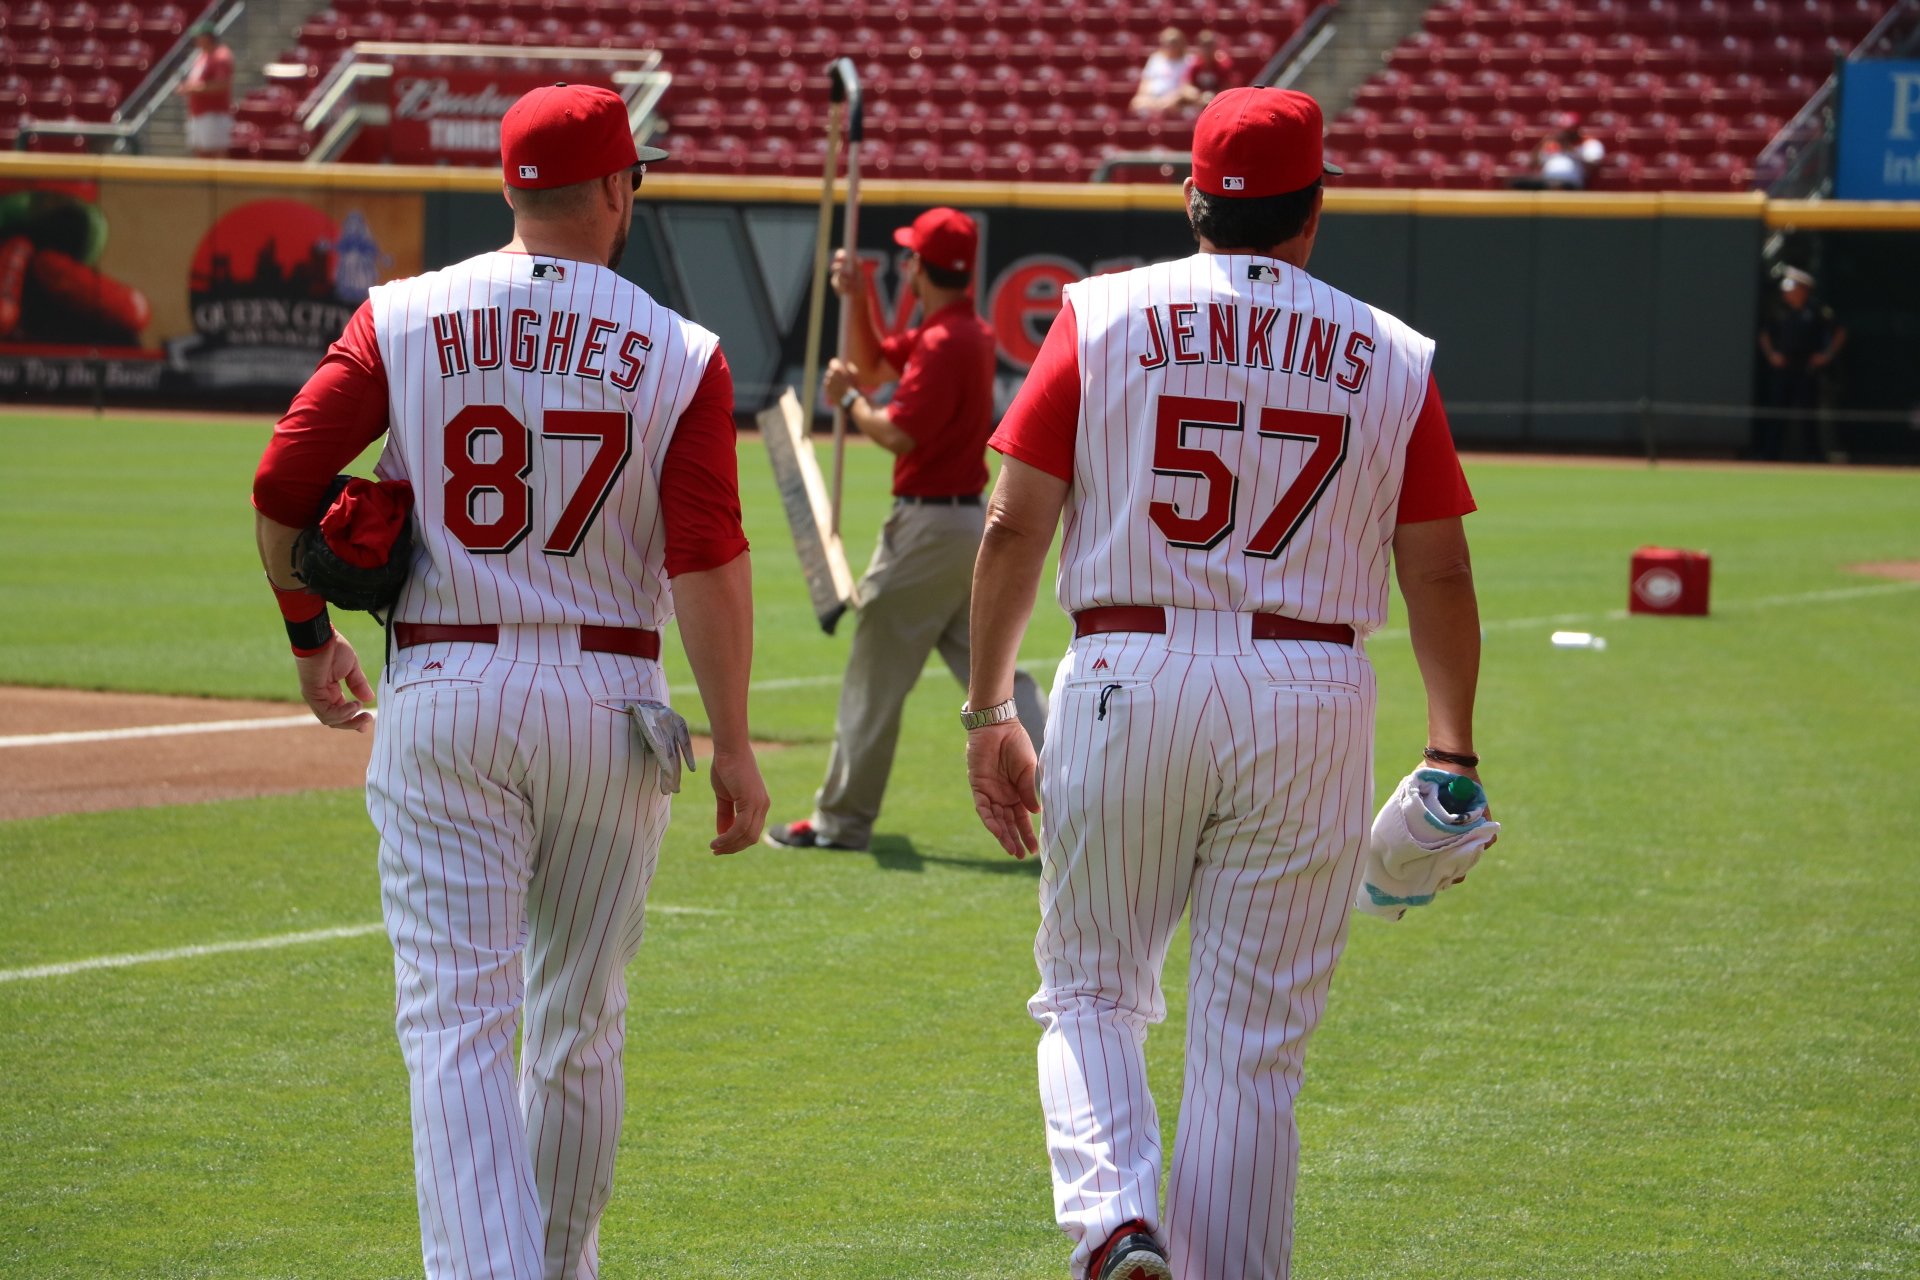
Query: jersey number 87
(468,478)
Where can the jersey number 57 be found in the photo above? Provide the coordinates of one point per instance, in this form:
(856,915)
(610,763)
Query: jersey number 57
(1172,456)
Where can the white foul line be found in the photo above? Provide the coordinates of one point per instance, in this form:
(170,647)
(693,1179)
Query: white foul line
(153,731)
(248,944)
(1043,664)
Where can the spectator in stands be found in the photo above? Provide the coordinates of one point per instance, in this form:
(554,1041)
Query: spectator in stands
(1799,339)
(1564,159)
(1212,69)
(208,90)
(1164,88)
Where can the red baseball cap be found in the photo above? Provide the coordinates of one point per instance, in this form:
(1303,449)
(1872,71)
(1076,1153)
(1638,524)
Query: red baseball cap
(557,135)
(1258,142)
(944,237)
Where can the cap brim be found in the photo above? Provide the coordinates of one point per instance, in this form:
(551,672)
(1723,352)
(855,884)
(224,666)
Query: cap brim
(903,236)
(1328,166)
(647,155)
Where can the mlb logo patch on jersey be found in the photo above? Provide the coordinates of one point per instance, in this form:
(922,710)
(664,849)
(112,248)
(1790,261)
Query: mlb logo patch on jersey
(1233,184)
(549,271)
(1262,272)
(529,171)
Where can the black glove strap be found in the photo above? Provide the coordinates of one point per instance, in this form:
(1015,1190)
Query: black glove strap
(312,635)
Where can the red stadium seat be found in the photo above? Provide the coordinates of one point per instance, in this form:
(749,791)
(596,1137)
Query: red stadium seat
(36,56)
(33,16)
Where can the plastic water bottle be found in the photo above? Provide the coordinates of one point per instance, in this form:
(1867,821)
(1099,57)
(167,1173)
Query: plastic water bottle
(1459,796)
(1578,640)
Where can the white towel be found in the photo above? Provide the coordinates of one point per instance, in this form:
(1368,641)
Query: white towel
(1418,848)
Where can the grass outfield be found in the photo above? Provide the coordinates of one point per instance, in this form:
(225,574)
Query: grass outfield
(1668,1030)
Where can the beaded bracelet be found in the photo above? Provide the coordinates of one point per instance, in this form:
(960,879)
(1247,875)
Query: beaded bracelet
(1465,761)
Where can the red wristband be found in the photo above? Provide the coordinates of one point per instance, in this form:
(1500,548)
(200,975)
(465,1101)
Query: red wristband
(299,605)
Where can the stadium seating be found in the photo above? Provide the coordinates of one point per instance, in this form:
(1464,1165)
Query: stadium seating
(1004,89)
(1683,94)
(78,60)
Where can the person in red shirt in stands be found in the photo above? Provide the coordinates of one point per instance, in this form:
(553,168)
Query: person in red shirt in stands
(1212,69)
(919,585)
(208,90)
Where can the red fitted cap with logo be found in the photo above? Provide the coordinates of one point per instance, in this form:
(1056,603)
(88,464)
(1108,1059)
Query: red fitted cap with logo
(1258,142)
(943,237)
(557,135)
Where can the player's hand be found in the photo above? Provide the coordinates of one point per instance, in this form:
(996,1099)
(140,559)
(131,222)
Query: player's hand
(1465,773)
(320,678)
(1004,775)
(842,377)
(740,801)
(843,275)
(1777,360)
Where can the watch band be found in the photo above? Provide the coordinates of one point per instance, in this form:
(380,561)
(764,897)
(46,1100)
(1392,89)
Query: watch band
(999,713)
(847,401)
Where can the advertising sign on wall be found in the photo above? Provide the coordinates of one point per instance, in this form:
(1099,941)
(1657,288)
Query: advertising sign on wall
(129,290)
(455,115)
(1879,140)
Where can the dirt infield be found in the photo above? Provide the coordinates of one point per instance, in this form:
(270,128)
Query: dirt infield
(154,756)
(1898,570)
(137,772)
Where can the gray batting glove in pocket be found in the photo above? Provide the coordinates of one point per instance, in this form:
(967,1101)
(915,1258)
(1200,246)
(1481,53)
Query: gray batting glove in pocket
(663,731)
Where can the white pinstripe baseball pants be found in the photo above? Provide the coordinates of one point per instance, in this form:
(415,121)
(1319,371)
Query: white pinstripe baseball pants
(1198,770)
(519,829)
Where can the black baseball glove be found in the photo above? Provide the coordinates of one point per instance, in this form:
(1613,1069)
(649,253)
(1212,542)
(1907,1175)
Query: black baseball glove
(358,555)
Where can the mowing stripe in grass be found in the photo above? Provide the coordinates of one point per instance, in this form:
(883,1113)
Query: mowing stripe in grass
(247,944)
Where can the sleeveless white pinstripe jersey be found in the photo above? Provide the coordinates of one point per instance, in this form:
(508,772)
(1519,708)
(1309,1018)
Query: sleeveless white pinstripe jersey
(531,403)
(1241,441)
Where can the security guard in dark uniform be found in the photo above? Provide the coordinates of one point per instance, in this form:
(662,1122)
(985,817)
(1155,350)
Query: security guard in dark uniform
(1799,340)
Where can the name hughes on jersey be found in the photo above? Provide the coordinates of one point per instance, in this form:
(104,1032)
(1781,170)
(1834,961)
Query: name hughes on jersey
(559,342)
(1255,338)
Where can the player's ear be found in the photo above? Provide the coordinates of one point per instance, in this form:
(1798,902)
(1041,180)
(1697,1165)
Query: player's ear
(1312,226)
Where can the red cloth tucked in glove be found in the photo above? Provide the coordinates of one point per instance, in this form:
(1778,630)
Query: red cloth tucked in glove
(364,520)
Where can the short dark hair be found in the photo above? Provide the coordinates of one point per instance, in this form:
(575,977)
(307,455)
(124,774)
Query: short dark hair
(550,204)
(945,277)
(1251,222)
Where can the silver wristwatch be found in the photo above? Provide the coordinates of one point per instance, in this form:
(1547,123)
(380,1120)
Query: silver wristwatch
(999,713)
(847,401)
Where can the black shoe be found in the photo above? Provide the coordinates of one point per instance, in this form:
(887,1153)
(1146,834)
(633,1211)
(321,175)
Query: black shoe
(1129,1254)
(801,835)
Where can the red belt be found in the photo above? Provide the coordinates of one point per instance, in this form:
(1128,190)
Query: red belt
(634,642)
(1153,620)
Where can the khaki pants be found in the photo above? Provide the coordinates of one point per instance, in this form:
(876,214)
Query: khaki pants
(913,600)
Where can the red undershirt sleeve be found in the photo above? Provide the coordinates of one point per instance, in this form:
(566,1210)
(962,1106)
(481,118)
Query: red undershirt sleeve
(1044,419)
(700,478)
(1433,486)
(339,412)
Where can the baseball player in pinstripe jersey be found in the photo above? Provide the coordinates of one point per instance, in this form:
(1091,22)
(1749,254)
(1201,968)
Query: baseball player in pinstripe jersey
(569,443)
(1239,451)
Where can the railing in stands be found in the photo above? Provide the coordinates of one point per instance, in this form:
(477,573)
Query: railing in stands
(1291,58)
(122,134)
(340,106)
(1796,162)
